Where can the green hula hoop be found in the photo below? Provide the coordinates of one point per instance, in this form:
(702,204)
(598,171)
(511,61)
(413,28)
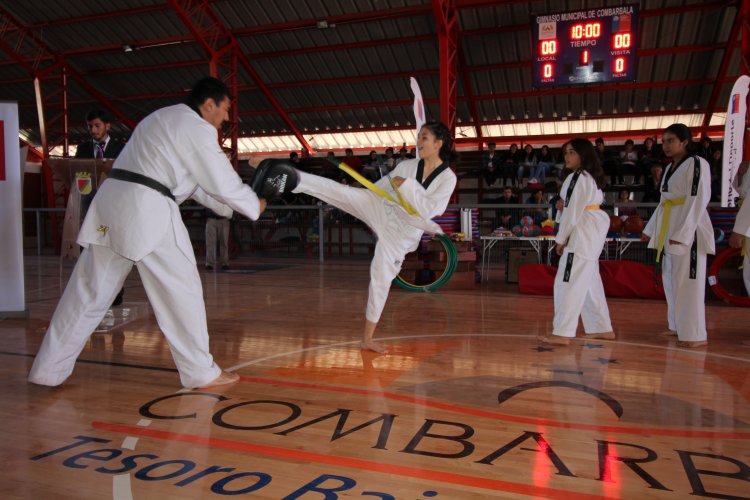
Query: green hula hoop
(440,278)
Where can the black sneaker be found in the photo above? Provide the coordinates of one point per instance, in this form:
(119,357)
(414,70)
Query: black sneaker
(209,268)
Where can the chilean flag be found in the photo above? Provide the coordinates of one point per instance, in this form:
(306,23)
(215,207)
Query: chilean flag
(735,108)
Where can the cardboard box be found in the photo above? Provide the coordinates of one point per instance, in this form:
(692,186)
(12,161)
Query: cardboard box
(515,258)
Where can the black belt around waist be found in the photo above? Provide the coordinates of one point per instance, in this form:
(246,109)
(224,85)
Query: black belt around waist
(128,176)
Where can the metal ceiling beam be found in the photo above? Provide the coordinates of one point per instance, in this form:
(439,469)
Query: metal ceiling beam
(515,121)
(723,68)
(610,87)
(446,21)
(207,28)
(363,17)
(357,17)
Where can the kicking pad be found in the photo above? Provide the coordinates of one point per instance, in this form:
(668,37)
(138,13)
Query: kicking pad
(274,178)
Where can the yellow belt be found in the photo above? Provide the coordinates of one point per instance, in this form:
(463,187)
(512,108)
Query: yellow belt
(593,207)
(378,191)
(667,204)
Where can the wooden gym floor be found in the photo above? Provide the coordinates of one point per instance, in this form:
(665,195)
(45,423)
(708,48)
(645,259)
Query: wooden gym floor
(466,405)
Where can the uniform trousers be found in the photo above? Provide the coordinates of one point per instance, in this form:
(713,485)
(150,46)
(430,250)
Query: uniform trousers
(393,244)
(174,289)
(217,230)
(582,295)
(686,310)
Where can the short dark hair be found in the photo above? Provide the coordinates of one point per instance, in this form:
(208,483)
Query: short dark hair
(98,113)
(293,155)
(491,144)
(599,140)
(206,88)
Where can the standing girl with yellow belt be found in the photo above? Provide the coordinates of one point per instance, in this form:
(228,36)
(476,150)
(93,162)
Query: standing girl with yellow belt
(681,232)
(580,240)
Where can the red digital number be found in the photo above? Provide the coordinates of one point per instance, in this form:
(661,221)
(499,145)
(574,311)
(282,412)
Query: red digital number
(583,58)
(585,31)
(619,65)
(549,47)
(622,41)
(547,71)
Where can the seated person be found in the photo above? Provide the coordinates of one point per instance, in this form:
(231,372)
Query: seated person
(509,168)
(625,205)
(539,214)
(545,165)
(629,159)
(527,163)
(507,216)
(490,167)
(610,162)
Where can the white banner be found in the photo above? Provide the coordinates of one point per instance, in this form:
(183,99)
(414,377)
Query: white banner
(734,135)
(419,117)
(12,298)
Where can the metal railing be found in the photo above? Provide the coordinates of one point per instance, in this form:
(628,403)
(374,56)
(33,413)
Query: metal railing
(305,229)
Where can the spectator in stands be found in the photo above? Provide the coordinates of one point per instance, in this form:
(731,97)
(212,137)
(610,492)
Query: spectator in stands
(538,213)
(490,164)
(509,168)
(651,154)
(389,162)
(371,167)
(403,154)
(527,163)
(331,170)
(545,165)
(556,204)
(629,160)
(508,216)
(706,151)
(294,158)
(652,192)
(352,161)
(681,228)
(625,205)
(609,162)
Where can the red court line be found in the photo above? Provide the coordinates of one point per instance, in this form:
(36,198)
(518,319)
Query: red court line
(646,431)
(351,463)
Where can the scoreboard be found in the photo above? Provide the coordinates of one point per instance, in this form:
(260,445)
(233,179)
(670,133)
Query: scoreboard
(585,46)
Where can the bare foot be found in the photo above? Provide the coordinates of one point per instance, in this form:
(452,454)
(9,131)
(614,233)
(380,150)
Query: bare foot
(601,335)
(373,346)
(669,333)
(692,343)
(553,339)
(225,378)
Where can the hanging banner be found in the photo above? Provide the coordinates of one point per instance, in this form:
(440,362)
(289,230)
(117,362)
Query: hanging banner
(12,298)
(419,117)
(734,135)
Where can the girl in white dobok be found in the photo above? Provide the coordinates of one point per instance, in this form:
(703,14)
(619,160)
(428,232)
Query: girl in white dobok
(426,183)
(583,229)
(681,232)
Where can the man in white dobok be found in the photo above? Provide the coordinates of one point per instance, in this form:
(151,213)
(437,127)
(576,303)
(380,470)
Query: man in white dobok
(134,219)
